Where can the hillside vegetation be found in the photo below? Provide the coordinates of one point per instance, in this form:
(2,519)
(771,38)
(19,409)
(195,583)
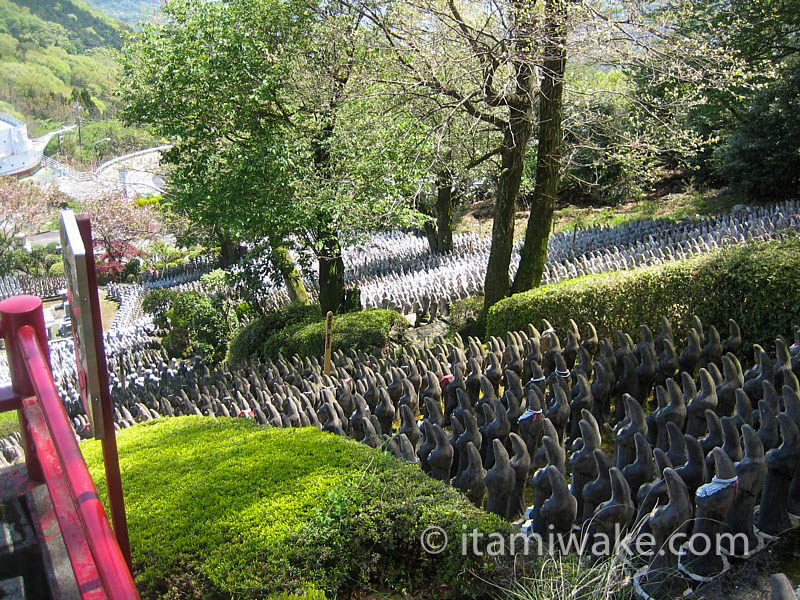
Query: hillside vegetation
(52,54)
(70,24)
(130,11)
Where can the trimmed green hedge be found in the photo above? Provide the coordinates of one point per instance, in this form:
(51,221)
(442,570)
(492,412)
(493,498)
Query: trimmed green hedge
(223,508)
(758,285)
(368,330)
(249,342)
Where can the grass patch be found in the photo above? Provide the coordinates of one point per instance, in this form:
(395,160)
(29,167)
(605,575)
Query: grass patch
(227,509)
(674,206)
(108,310)
(9,423)
(563,577)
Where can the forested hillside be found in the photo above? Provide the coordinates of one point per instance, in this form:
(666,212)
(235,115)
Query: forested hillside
(70,24)
(130,11)
(54,54)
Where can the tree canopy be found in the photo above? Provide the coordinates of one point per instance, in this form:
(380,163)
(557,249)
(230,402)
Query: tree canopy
(309,124)
(274,132)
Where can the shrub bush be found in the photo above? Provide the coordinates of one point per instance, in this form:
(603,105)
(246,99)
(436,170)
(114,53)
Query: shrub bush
(369,330)
(197,328)
(298,329)
(157,303)
(758,285)
(464,317)
(56,269)
(249,342)
(223,508)
(131,270)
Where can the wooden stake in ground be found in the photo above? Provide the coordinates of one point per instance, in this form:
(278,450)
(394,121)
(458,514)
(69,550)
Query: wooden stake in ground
(328,341)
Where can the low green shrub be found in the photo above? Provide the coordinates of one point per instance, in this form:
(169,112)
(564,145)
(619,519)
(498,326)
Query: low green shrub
(56,269)
(758,285)
(197,328)
(465,317)
(369,330)
(249,342)
(224,508)
(298,329)
(131,270)
(368,530)
(157,303)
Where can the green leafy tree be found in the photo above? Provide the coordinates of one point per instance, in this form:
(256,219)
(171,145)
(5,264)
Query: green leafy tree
(503,67)
(762,157)
(275,134)
(158,303)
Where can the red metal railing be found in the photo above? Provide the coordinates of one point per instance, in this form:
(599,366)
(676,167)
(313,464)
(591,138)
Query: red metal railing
(52,455)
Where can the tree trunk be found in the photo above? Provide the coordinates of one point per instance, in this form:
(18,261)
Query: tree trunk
(432,233)
(331,276)
(515,141)
(439,228)
(444,212)
(516,134)
(291,275)
(548,159)
(229,252)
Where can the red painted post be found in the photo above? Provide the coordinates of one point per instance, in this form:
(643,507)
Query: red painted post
(17,312)
(116,499)
(64,450)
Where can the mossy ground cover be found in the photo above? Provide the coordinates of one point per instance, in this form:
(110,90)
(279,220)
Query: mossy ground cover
(675,206)
(477,217)
(221,508)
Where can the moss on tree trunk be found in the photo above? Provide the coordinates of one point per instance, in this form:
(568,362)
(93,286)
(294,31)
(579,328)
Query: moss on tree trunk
(548,157)
(291,276)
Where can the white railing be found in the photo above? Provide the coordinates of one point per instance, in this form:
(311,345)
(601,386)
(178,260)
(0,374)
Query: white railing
(125,157)
(66,171)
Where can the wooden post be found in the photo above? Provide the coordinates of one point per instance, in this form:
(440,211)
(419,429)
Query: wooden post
(328,341)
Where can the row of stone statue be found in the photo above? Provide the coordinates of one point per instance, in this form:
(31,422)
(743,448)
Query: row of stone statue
(524,403)
(170,276)
(397,270)
(421,287)
(44,287)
